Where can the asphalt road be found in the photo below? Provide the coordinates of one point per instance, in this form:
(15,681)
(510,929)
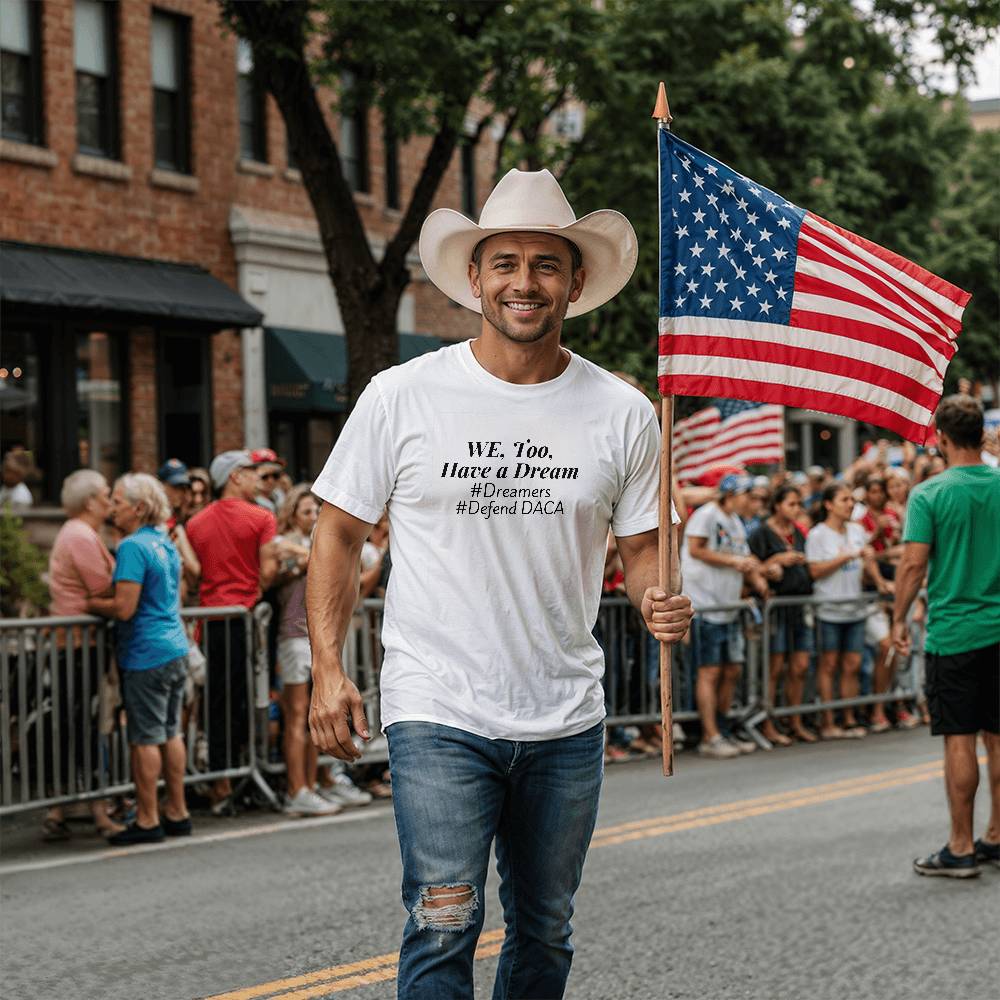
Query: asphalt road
(781,875)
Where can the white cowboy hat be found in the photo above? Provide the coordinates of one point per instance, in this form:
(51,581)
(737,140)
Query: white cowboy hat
(530,201)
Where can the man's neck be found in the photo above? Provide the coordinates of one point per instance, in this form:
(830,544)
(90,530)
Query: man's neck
(520,364)
(228,494)
(961,457)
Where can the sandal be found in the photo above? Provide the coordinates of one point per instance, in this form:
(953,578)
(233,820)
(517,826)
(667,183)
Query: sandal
(881,727)
(855,733)
(54,830)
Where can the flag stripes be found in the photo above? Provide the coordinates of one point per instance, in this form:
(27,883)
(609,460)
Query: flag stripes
(755,435)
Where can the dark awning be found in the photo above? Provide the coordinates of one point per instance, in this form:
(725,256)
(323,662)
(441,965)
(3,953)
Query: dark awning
(152,290)
(307,370)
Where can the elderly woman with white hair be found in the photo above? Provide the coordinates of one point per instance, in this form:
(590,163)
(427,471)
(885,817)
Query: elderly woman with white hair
(152,655)
(80,566)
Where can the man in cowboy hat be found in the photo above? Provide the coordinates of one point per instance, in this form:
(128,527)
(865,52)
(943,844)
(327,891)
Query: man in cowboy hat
(503,462)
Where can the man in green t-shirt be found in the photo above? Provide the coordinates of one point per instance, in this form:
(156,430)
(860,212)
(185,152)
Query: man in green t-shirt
(952,534)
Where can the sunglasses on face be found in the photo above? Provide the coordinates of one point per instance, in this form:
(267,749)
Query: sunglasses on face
(270,475)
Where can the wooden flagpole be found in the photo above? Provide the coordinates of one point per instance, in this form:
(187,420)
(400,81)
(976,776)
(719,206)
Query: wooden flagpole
(661,112)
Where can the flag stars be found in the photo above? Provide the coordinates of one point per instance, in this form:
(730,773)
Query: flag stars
(752,290)
(749,246)
(740,273)
(765,235)
(758,260)
(752,218)
(755,191)
(699,182)
(724,217)
(699,215)
(682,231)
(723,250)
(685,195)
(728,188)
(742,204)
(707,269)
(680,269)
(780,292)
(713,200)
(765,308)
(710,169)
(679,301)
(770,206)
(692,286)
(784,223)
(770,277)
(705,302)
(779,254)
(736,235)
(710,233)
(735,305)
(721,286)
(686,163)
(696,250)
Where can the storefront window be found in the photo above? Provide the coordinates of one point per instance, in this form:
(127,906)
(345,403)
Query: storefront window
(98,401)
(20,409)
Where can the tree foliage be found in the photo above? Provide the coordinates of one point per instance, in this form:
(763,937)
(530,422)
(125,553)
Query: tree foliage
(825,107)
(823,101)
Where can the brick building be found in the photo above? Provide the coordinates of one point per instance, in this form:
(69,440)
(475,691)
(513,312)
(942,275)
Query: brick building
(164,289)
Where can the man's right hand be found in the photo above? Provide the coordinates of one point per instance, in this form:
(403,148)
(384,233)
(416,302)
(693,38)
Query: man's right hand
(336,705)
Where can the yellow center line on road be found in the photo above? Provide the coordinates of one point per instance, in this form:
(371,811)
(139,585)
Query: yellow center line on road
(381,968)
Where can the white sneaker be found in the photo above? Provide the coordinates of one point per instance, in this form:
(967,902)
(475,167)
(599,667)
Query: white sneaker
(306,802)
(718,749)
(742,746)
(344,792)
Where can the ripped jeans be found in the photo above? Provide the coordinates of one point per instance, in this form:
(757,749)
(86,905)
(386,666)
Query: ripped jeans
(454,794)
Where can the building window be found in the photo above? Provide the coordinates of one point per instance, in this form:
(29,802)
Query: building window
(391,168)
(469,178)
(99,403)
(171,113)
(184,396)
(250,97)
(96,78)
(21,72)
(354,143)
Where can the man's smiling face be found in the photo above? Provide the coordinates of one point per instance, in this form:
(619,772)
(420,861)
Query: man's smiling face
(525,282)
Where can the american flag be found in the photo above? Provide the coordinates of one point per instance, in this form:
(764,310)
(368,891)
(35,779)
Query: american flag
(762,300)
(729,432)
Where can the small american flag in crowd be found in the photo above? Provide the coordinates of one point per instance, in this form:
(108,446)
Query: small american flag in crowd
(729,432)
(762,300)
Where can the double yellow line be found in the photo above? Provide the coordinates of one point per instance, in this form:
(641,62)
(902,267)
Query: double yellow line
(337,978)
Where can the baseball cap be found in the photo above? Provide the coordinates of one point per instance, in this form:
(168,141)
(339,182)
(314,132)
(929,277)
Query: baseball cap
(761,483)
(816,471)
(266,456)
(735,484)
(174,472)
(226,463)
(800,479)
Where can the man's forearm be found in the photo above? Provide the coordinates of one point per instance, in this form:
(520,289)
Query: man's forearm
(643,572)
(331,595)
(908,580)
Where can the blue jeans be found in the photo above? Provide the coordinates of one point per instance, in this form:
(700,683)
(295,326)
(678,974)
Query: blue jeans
(454,794)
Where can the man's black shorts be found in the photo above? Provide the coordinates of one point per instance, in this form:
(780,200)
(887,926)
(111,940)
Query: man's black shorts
(963,691)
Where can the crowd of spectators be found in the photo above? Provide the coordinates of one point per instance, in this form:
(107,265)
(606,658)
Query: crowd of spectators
(239,534)
(138,551)
(826,540)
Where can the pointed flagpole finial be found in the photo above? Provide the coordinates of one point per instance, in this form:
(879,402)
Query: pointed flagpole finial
(662,109)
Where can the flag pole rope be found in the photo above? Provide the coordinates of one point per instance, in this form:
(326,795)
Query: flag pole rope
(661,112)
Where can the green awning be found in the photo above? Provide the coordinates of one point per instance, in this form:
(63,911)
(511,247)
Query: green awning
(307,370)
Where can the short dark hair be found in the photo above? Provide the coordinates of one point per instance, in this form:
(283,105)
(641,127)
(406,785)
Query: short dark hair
(782,492)
(875,481)
(575,257)
(961,418)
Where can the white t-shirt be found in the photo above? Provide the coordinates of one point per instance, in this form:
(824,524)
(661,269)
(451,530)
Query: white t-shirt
(707,585)
(17,496)
(823,543)
(499,500)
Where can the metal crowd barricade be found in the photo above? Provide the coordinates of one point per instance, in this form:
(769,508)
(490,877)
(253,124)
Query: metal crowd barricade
(62,731)
(810,705)
(632,665)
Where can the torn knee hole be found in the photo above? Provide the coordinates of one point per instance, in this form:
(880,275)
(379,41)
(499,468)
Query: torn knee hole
(446,907)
